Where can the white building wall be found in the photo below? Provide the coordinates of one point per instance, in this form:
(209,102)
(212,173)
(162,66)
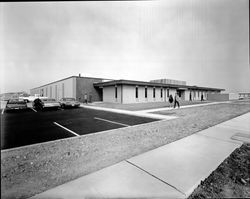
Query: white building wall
(158,97)
(195,95)
(150,94)
(186,95)
(109,94)
(141,94)
(233,96)
(172,92)
(129,94)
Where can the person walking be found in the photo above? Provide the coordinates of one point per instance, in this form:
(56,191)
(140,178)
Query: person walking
(170,100)
(202,99)
(86,98)
(176,100)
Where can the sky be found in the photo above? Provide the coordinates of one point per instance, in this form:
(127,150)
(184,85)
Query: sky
(205,43)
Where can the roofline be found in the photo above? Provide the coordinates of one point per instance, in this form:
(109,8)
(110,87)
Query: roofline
(132,82)
(65,79)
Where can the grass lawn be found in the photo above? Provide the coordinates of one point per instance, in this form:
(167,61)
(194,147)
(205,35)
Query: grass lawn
(202,117)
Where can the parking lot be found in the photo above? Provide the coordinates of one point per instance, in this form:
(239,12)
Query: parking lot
(26,127)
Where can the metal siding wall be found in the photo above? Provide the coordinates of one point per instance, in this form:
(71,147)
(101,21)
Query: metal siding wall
(62,90)
(55,90)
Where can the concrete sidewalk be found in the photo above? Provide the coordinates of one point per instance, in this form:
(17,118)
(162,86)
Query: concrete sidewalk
(127,112)
(181,107)
(147,112)
(170,171)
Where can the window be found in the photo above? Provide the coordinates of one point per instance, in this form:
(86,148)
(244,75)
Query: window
(46,92)
(146,92)
(161,92)
(168,92)
(136,92)
(153,92)
(115,91)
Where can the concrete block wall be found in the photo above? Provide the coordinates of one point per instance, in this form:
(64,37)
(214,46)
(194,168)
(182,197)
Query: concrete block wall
(85,85)
(217,97)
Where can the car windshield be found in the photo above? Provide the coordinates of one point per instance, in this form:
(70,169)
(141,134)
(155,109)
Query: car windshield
(15,101)
(68,99)
(49,100)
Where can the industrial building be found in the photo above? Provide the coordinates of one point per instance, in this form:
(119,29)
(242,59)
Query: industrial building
(74,86)
(121,91)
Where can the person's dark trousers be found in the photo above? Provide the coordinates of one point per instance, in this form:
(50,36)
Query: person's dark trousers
(176,102)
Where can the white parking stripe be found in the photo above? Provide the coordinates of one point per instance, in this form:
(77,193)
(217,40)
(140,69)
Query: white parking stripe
(66,129)
(2,111)
(97,118)
(33,109)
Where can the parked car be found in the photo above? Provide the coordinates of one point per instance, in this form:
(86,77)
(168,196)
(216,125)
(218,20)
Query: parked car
(43,103)
(31,98)
(69,102)
(13,104)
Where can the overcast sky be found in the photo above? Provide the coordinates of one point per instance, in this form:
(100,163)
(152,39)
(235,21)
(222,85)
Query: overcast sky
(205,43)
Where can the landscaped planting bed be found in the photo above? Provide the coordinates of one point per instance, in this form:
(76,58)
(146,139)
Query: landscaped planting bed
(230,180)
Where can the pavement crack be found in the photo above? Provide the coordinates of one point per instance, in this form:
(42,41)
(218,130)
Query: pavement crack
(155,177)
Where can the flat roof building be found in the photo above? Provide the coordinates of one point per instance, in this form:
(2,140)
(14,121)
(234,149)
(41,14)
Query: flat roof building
(74,86)
(121,91)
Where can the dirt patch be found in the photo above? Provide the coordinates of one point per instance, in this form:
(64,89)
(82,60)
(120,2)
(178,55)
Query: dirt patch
(230,180)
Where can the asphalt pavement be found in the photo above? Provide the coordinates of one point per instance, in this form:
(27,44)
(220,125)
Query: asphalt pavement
(25,127)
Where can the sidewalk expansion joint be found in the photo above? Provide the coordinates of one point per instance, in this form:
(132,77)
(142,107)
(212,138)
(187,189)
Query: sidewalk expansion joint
(231,127)
(156,177)
(228,141)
